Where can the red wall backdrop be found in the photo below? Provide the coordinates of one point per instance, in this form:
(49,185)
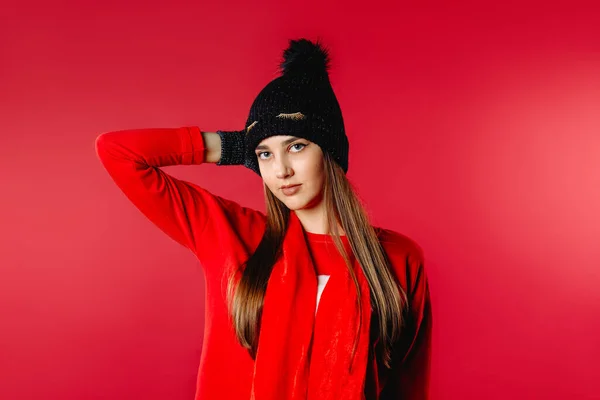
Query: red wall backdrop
(474,129)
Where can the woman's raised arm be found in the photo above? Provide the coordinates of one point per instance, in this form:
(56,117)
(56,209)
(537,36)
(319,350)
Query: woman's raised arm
(179,208)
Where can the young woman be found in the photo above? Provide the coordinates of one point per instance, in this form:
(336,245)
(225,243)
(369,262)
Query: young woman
(309,301)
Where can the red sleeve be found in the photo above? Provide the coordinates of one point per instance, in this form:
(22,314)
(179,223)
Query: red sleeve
(179,208)
(409,379)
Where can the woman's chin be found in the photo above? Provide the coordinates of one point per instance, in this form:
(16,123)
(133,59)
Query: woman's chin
(292,205)
(299,204)
(293,202)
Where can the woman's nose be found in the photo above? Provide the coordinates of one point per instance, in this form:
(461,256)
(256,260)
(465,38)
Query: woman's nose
(282,169)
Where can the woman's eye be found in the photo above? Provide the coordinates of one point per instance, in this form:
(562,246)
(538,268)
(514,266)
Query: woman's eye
(302,145)
(299,144)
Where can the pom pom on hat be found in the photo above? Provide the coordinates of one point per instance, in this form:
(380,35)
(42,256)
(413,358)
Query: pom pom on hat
(304,56)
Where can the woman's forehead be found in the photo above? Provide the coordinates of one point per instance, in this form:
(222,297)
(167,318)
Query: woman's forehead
(276,140)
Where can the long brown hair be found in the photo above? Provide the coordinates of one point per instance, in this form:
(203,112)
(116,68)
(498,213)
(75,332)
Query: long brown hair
(245,300)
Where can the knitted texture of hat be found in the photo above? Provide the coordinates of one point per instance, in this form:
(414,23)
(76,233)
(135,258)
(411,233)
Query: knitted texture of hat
(300,103)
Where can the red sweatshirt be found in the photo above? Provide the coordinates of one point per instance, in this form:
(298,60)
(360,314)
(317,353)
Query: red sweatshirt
(209,225)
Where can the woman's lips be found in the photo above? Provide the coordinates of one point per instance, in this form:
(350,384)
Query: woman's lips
(291,190)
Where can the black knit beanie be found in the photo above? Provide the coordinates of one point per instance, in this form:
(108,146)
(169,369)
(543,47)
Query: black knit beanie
(301,103)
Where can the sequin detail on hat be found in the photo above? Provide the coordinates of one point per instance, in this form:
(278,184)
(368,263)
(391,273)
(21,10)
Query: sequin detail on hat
(251,126)
(295,116)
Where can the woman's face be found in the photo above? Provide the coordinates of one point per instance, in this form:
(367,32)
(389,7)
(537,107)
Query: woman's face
(288,160)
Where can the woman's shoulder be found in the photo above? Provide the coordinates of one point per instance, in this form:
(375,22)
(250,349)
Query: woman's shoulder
(400,247)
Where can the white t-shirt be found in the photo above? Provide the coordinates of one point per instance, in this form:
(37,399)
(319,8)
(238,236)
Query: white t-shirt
(322,281)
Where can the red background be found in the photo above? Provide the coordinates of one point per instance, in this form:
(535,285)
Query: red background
(474,129)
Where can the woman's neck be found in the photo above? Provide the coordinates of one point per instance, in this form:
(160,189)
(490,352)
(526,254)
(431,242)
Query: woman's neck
(315,221)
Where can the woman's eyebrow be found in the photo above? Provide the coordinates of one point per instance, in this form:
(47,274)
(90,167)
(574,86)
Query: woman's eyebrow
(285,142)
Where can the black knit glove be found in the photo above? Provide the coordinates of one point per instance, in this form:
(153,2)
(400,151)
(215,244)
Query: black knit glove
(233,147)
